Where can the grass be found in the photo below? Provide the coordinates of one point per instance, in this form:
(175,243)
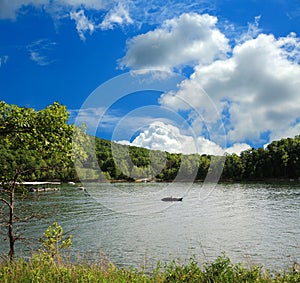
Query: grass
(41,269)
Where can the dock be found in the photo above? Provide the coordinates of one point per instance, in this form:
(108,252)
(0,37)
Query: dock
(42,186)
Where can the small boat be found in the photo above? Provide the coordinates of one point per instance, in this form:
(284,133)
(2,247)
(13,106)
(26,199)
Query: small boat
(171,199)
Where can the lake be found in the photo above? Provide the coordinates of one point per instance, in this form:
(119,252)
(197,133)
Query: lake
(128,224)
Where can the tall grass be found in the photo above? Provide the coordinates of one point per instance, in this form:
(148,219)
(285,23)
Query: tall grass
(43,269)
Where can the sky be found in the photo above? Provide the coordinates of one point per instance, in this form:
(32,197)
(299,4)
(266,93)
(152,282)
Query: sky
(206,76)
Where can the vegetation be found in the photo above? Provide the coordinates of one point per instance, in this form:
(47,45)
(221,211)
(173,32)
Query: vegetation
(40,270)
(279,160)
(39,144)
(53,241)
(36,144)
(33,145)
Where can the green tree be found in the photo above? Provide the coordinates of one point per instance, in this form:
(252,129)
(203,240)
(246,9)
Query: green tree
(233,168)
(31,139)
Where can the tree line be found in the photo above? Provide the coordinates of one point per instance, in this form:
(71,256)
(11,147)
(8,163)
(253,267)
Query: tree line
(40,144)
(279,160)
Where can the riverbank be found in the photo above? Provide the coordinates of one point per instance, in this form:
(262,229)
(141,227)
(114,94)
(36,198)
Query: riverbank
(221,270)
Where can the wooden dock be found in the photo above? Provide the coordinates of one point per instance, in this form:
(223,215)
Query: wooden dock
(42,186)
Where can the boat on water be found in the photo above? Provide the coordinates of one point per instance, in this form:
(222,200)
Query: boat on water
(171,199)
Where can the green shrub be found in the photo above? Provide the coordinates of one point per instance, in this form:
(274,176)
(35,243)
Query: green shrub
(54,241)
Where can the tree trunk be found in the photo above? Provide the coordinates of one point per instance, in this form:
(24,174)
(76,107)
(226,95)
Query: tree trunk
(11,235)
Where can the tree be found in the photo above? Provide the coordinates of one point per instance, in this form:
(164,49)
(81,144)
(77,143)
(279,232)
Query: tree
(44,134)
(233,168)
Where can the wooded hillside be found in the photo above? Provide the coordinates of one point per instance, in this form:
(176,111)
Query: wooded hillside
(40,143)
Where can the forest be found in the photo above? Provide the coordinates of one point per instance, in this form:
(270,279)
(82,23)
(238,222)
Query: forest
(42,145)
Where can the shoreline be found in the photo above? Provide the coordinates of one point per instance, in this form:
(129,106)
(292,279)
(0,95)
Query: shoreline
(221,181)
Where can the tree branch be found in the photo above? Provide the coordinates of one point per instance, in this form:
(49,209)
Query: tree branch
(5,201)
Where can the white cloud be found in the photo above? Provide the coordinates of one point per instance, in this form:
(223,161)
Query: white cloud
(252,32)
(166,137)
(115,12)
(83,24)
(205,146)
(160,136)
(3,60)
(288,132)
(36,57)
(237,148)
(116,15)
(40,50)
(188,39)
(9,8)
(119,15)
(88,4)
(259,87)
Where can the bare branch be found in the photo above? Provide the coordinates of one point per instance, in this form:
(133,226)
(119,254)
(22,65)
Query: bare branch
(6,202)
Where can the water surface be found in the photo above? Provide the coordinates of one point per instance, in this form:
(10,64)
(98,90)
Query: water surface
(129,225)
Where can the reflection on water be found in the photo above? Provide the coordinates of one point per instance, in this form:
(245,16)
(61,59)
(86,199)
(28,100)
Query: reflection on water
(252,223)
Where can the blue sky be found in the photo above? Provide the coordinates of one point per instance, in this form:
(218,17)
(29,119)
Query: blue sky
(235,66)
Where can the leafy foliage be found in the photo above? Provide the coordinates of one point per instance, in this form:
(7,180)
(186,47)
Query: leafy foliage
(53,241)
(33,145)
(31,141)
(279,160)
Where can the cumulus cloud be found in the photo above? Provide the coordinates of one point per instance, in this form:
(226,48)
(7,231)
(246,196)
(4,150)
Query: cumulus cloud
(160,136)
(83,24)
(188,39)
(258,88)
(166,137)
